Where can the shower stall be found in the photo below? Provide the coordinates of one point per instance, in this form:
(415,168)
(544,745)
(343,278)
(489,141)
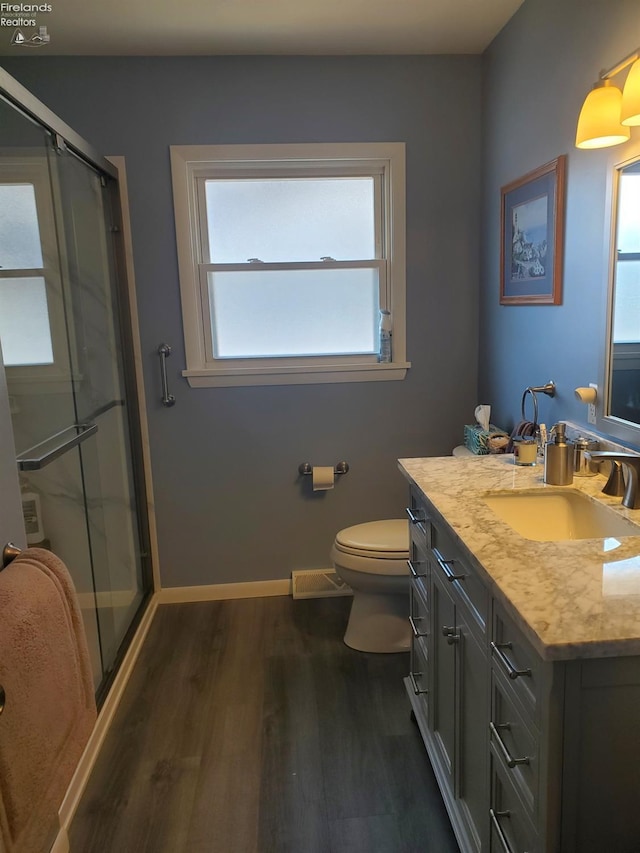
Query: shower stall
(73,422)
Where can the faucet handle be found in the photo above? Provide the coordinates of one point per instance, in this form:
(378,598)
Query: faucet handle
(615,485)
(631,461)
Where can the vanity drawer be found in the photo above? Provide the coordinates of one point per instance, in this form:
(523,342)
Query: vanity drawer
(514,658)
(460,575)
(513,742)
(511,828)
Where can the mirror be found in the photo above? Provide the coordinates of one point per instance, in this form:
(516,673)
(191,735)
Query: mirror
(624,361)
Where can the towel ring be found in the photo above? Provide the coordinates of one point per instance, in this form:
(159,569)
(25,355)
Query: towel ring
(535,404)
(549,389)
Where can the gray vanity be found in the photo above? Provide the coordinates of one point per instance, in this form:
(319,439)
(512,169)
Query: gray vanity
(525,660)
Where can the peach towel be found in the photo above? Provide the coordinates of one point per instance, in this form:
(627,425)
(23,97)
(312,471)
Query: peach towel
(50,707)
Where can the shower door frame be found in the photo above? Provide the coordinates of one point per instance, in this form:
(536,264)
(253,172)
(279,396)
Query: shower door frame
(21,99)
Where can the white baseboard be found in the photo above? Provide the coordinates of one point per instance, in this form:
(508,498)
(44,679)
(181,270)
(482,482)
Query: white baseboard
(221,591)
(85,765)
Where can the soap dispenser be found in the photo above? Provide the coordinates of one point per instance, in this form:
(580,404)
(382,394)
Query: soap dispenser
(558,458)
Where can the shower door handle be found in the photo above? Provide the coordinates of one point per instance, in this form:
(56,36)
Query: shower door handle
(31,460)
(164,350)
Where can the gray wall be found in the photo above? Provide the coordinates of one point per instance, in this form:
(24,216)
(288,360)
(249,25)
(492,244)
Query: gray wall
(229,504)
(536,75)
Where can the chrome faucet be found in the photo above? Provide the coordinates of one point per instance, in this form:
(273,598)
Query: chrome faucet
(631,462)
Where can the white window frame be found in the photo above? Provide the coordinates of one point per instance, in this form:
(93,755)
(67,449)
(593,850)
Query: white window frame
(191,165)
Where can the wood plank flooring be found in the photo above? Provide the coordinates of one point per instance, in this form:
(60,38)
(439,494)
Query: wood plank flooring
(249,727)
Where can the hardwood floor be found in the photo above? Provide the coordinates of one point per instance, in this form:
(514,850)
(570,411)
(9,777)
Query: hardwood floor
(249,727)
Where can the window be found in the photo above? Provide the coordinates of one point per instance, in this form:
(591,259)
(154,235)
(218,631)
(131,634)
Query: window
(287,255)
(32,326)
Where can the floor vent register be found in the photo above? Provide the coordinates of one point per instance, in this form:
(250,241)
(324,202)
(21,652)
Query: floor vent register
(318,583)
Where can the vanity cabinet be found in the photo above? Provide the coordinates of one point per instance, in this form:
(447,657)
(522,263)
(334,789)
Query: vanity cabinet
(531,755)
(447,680)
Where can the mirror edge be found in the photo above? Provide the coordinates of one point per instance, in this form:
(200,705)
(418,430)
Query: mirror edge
(626,431)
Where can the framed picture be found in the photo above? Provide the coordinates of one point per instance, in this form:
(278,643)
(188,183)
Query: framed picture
(532,234)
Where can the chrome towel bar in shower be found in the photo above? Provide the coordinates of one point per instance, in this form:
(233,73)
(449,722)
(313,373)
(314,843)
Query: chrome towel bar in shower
(42,454)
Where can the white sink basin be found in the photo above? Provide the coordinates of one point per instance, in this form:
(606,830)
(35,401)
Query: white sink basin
(549,516)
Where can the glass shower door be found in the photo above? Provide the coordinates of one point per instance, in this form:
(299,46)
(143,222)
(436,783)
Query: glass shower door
(102,395)
(73,407)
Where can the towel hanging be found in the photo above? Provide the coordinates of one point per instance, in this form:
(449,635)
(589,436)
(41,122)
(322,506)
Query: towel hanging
(49,710)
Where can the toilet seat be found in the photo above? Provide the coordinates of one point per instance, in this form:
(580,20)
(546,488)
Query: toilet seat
(383,540)
(376,547)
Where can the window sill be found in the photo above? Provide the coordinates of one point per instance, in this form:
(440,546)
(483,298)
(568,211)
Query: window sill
(288,375)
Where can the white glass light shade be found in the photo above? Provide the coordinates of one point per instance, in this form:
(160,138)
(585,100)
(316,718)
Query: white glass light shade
(599,123)
(630,111)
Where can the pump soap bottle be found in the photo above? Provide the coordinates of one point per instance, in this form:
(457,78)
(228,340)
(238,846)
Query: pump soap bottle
(558,458)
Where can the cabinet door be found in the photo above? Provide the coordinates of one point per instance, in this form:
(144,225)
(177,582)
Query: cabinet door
(444,675)
(472,779)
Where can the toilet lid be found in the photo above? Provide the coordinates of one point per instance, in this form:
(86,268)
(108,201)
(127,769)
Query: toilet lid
(389,539)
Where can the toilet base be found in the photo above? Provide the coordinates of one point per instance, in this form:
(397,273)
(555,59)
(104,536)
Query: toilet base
(379,623)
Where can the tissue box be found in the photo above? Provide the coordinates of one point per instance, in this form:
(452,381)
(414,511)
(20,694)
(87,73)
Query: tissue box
(476,439)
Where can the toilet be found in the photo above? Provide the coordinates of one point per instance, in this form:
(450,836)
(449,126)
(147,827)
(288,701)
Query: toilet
(372,559)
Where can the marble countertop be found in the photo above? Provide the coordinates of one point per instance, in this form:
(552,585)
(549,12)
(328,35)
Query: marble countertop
(573,598)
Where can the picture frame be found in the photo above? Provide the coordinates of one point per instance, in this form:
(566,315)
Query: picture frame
(532,236)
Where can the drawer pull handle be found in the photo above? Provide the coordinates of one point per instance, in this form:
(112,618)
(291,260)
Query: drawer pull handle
(413,517)
(499,831)
(449,575)
(510,761)
(450,633)
(412,568)
(414,627)
(512,672)
(416,689)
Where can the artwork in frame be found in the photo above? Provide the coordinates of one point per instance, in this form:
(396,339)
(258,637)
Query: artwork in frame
(532,234)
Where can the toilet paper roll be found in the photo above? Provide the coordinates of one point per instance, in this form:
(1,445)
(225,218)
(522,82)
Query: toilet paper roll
(586,395)
(323,477)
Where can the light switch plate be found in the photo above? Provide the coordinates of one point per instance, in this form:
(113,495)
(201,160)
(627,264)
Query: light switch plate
(591,408)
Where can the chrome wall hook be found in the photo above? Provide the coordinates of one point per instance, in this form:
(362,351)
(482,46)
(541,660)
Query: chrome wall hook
(9,553)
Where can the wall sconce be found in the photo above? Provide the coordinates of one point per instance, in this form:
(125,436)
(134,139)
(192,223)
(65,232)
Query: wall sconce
(608,113)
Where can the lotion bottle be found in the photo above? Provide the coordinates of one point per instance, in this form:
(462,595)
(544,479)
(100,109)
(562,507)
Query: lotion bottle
(558,458)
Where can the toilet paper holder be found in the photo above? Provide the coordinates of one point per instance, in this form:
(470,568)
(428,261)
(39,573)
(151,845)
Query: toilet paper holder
(305,468)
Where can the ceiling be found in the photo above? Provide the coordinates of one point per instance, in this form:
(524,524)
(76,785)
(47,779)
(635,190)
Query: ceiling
(206,27)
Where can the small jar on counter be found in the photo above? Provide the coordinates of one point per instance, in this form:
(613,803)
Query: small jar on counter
(583,466)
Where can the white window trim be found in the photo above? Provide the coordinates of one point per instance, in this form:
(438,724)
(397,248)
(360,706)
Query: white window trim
(191,162)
